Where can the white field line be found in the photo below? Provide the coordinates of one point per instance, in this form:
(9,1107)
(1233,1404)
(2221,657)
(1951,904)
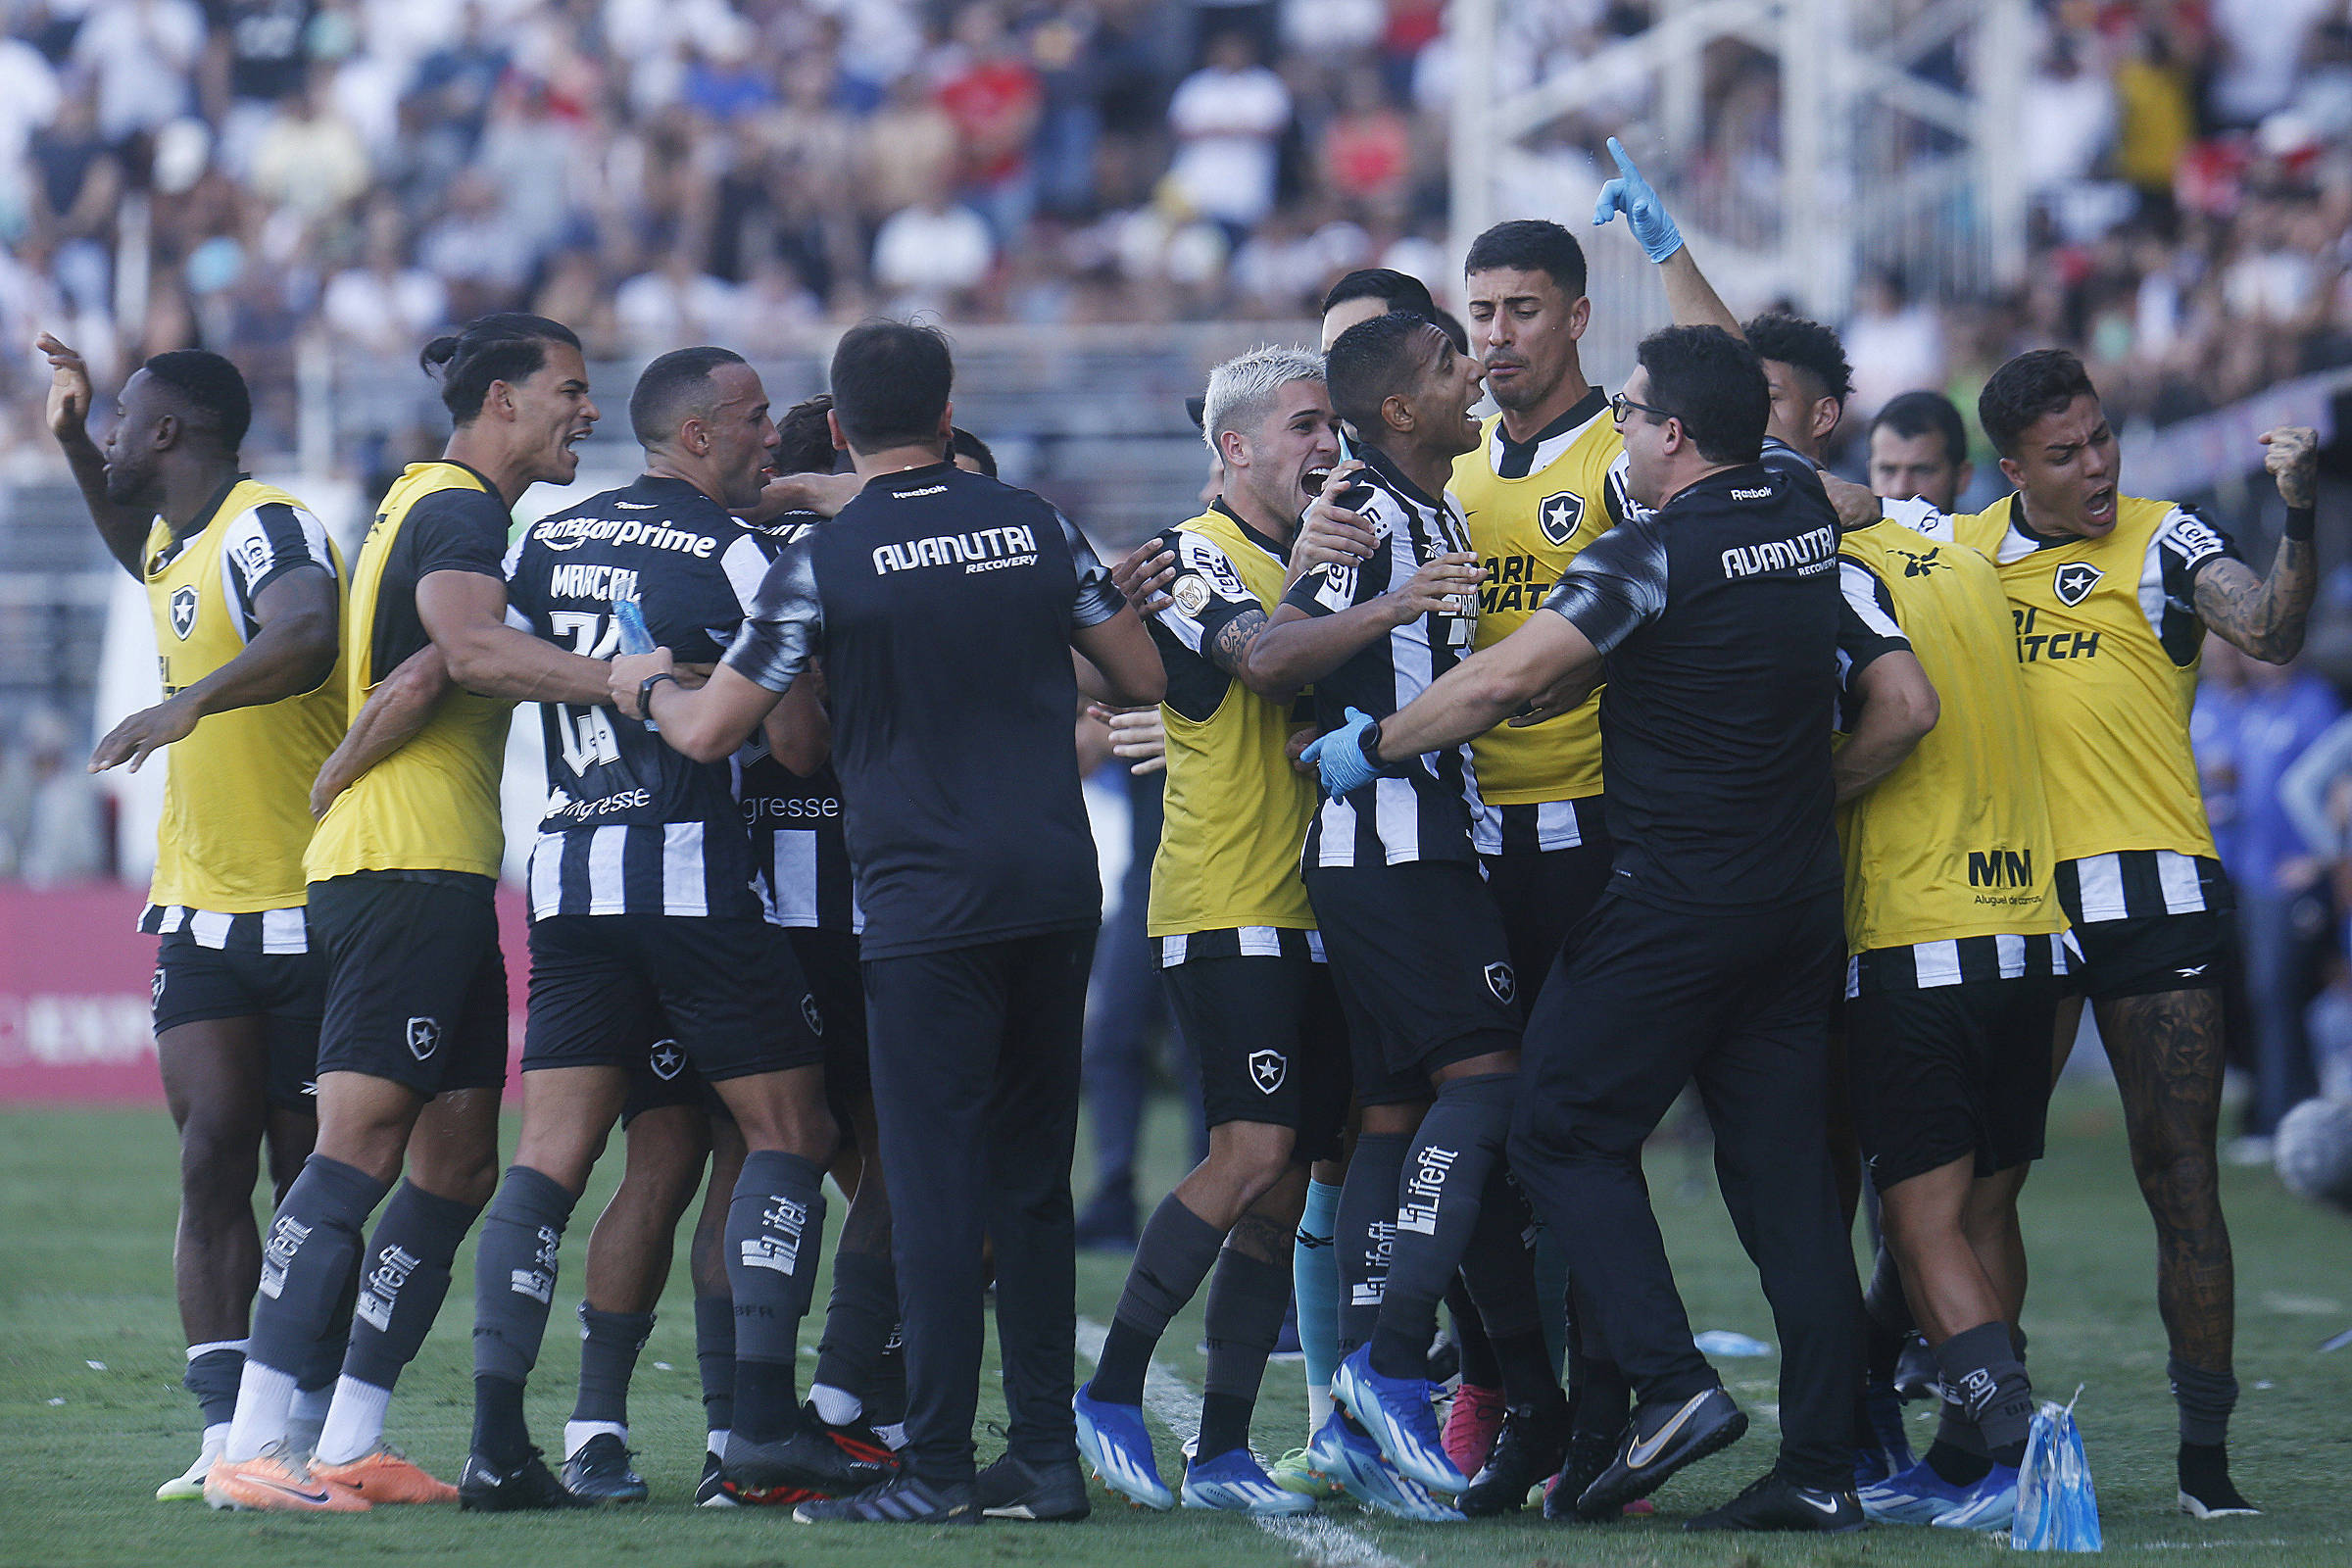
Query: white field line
(1320,1542)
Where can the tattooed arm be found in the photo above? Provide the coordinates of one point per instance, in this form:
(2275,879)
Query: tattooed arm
(2264,616)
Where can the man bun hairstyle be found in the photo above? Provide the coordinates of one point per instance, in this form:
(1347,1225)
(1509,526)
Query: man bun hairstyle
(1809,346)
(210,392)
(890,384)
(673,388)
(1713,383)
(1242,391)
(2033,384)
(1372,362)
(507,346)
(805,437)
(1530,245)
(1917,414)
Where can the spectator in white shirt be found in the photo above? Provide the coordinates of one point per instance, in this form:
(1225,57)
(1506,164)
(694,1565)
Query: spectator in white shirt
(1228,117)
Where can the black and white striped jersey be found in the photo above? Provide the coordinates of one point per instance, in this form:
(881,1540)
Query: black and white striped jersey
(633,827)
(799,845)
(1426,812)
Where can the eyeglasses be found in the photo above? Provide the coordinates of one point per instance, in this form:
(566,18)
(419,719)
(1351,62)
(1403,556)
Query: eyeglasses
(1620,405)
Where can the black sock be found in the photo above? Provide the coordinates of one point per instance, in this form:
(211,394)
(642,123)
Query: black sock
(404,1275)
(609,1346)
(2204,1473)
(714,1358)
(863,1309)
(1885,1319)
(1366,1234)
(1500,1268)
(499,1434)
(1470,1341)
(1981,1365)
(514,1274)
(307,1257)
(1958,1455)
(1437,1202)
(1248,1298)
(886,1401)
(775,1231)
(1172,1256)
(213,1378)
(2206,1399)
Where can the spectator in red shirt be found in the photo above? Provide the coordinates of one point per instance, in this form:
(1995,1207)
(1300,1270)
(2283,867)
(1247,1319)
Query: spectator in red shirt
(994,99)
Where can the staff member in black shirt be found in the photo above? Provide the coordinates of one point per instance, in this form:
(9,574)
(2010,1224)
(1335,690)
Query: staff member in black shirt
(1715,952)
(945,607)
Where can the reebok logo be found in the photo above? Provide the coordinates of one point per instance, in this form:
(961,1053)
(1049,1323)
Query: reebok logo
(2192,970)
(1418,1211)
(379,1292)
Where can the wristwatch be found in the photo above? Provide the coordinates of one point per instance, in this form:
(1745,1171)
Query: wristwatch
(645,691)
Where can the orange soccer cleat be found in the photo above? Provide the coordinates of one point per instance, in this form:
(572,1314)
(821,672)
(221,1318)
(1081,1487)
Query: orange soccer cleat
(386,1475)
(274,1481)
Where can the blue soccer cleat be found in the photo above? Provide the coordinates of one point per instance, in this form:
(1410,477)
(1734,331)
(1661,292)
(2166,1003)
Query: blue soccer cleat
(1397,1412)
(1987,1505)
(1116,1443)
(1917,1497)
(1235,1482)
(1354,1461)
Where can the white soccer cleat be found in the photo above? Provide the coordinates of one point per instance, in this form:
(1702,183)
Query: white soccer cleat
(188,1487)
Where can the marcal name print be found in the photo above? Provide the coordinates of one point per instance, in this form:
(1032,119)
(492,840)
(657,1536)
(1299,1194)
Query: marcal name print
(1809,552)
(986,551)
(569,534)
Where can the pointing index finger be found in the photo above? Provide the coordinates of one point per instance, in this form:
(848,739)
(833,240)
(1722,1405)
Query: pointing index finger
(1625,164)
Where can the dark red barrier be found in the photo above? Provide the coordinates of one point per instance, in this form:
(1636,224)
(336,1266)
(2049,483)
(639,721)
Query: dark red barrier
(74,992)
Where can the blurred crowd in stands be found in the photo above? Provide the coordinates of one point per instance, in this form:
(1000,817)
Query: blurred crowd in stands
(249,174)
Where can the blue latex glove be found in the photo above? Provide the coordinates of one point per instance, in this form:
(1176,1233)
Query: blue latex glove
(1340,756)
(1644,213)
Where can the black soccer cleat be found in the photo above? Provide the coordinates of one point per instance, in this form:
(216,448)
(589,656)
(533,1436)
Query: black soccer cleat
(1660,1440)
(600,1473)
(1015,1489)
(856,1440)
(806,1458)
(710,1491)
(1773,1502)
(1588,1454)
(2206,1490)
(904,1499)
(530,1487)
(1916,1374)
(1532,1444)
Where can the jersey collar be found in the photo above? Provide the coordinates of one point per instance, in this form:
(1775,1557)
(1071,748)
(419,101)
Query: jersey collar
(1278,551)
(2031,538)
(174,543)
(1392,479)
(1516,460)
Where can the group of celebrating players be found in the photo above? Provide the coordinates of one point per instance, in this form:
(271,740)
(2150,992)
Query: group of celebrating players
(1520,775)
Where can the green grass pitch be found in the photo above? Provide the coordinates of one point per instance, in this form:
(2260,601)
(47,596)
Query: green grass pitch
(93,1416)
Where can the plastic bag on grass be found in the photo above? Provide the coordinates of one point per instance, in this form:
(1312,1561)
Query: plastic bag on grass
(2057,1507)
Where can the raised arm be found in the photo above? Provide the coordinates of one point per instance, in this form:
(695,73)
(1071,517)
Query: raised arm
(122,528)
(1691,298)
(401,705)
(2266,617)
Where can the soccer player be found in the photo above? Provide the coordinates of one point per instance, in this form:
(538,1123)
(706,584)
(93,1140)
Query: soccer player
(646,921)
(1430,1000)
(1918,447)
(1955,932)
(412,1049)
(2110,596)
(1236,951)
(1713,952)
(946,607)
(246,591)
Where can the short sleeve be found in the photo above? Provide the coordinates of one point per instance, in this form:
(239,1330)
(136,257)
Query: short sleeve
(458,530)
(1207,593)
(1098,598)
(1868,628)
(782,622)
(268,541)
(2186,545)
(1616,586)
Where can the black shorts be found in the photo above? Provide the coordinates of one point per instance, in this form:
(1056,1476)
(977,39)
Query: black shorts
(1423,970)
(605,987)
(287,990)
(1949,1072)
(2142,955)
(836,1010)
(1272,1046)
(1544,893)
(415,983)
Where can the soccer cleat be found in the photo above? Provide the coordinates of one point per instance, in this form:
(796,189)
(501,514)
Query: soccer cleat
(806,1458)
(1397,1412)
(905,1499)
(1533,1447)
(1988,1505)
(712,1491)
(1296,1471)
(860,1444)
(1472,1423)
(188,1484)
(1236,1483)
(276,1482)
(1353,1460)
(529,1488)
(1916,1374)
(2206,1491)
(1917,1497)
(1015,1489)
(1889,1450)
(600,1473)
(1116,1443)
(1773,1502)
(1660,1440)
(384,1474)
